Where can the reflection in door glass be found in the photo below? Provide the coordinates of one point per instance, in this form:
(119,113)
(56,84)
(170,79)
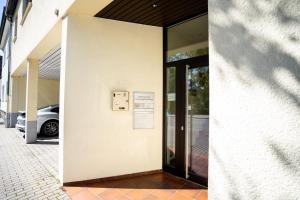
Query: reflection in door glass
(198,120)
(170,115)
(188,39)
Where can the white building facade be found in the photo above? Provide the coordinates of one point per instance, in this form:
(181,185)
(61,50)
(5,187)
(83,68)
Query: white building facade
(223,78)
(5,46)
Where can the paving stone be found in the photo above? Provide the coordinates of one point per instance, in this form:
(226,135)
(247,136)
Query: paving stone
(28,171)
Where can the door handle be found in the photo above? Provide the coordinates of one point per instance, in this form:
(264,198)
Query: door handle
(182,128)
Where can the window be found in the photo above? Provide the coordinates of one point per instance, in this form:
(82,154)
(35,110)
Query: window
(6,53)
(2,94)
(26,6)
(56,110)
(188,39)
(15,28)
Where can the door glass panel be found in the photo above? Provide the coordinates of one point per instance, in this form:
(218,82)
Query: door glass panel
(170,115)
(188,39)
(198,120)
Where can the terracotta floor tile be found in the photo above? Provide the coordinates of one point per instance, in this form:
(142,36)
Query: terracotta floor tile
(84,195)
(152,197)
(163,194)
(138,194)
(189,192)
(73,190)
(178,196)
(111,194)
(123,198)
(125,190)
(203,195)
(96,190)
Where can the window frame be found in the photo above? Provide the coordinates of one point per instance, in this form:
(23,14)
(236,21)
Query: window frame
(26,7)
(15,28)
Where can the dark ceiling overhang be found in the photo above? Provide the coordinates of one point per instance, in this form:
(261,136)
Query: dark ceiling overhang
(11,7)
(153,12)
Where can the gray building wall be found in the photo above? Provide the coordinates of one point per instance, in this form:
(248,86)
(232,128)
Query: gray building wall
(254,99)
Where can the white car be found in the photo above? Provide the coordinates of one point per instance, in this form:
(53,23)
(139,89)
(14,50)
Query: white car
(47,121)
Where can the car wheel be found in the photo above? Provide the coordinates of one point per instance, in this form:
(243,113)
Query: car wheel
(50,128)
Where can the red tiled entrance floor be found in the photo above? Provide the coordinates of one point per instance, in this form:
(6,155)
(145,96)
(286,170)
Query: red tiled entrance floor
(149,187)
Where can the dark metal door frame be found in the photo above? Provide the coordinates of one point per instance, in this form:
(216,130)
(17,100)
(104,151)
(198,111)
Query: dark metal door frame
(180,141)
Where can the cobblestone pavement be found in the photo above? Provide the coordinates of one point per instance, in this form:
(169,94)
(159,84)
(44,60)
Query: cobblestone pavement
(47,153)
(28,171)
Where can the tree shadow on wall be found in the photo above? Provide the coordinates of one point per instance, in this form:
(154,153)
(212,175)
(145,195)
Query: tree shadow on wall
(234,194)
(242,49)
(261,57)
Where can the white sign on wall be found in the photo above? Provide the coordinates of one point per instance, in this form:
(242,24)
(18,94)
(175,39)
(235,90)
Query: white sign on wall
(143,110)
(171,97)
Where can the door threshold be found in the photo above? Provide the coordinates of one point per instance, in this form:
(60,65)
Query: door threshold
(184,179)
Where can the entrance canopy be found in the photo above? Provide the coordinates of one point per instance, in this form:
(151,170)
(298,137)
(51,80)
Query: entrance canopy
(153,12)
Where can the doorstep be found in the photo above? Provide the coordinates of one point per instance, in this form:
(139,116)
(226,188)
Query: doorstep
(154,186)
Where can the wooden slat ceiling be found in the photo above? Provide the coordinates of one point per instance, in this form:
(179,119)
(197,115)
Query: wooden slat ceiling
(153,12)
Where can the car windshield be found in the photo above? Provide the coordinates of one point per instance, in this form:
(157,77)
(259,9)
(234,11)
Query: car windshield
(47,107)
(44,107)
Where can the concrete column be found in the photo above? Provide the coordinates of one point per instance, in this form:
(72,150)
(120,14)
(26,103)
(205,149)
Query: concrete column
(31,101)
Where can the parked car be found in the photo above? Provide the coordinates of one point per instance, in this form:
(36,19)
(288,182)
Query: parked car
(47,121)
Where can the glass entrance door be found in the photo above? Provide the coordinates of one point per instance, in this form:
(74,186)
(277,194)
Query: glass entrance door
(186,118)
(197,121)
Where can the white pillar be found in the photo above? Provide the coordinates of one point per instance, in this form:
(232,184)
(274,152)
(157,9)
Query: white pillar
(31,101)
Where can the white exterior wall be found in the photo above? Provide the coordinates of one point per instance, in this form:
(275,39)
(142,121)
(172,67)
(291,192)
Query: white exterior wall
(40,20)
(41,29)
(48,93)
(98,57)
(254,99)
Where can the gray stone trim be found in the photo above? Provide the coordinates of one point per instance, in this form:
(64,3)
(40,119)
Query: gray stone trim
(7,120)
(10,119)
(13,120)
(30,132)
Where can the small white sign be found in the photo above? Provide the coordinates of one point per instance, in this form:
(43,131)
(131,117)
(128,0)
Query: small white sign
(171,97)
(143,120)
(143,110)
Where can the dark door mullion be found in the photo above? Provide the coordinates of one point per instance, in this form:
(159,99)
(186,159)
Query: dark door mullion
(180,120)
